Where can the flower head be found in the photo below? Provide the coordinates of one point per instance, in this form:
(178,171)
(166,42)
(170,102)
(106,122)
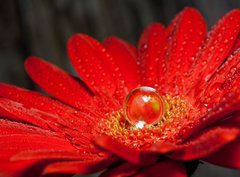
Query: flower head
(147,111)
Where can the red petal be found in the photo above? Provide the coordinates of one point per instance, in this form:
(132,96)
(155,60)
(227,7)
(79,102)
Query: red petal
(41,154)
(28,168)
(65,115)
(232,121)
(151,52)
(220,41)
(186,34)
(225,81)
(57,82)
(163,148)
(236,45)
(19,169)
(205,144)
(228,156)
(18,111)
(229,104)
(164,169)
(108,61)
(9,127)
(81,167)
(12,144)
(124,58)
(126,169)
(115,147)
(92,63)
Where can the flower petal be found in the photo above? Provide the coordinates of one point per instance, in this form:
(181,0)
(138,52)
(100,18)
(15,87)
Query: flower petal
(57,82)
(228,156)
(218,46)
(28,168)
(167,168)
(137,157)
(124,55)
(232,121)
(229,104)
(92,63)
(65,115)
(125,59)
(125,169)
(225,81)
(163,148)
(205,144)
(20,169)
(186,34)
(18,111)
(151,52)
(12,144)
(40,154)
(236,45)
(81,167)
(15,143)
(8,127)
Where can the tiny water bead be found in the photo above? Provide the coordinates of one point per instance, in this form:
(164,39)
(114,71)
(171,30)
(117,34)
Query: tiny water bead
(143,106)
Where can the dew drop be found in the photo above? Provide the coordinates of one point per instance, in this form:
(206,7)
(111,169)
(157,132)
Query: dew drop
(117,69)
(225,41)
(143,48)
(215,87)
(143,106)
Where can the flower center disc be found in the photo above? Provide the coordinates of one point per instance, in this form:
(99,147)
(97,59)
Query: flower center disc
(143,106)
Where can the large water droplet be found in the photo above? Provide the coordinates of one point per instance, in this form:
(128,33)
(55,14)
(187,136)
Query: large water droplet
(144,106)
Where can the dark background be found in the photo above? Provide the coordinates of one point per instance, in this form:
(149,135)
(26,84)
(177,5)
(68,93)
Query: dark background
(42,28)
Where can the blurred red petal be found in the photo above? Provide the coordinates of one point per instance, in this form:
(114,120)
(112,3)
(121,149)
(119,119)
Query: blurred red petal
(236,45)
(228,156)
(231,121)
(40,154)
(19,169)
(81,167)
(29,168)
(186,34)
(14,143)
(206,143)
(164,169)
(92,63)
(163,148)
(125,169)
(151,52)
(57,82)
(115,147)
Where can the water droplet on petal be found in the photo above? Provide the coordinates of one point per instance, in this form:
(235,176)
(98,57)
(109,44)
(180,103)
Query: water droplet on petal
(143,48)
(143,106)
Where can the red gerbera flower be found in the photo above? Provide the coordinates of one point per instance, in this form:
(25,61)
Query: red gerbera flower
(151,111)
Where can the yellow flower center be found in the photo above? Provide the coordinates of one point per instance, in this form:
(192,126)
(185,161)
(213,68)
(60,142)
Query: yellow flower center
(144,121)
